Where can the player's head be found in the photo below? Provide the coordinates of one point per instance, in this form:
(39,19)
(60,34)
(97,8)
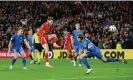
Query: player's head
(30,32)
(80,37)
(37,29)
(20,30)
(86,34)
(50,20)
(77,25)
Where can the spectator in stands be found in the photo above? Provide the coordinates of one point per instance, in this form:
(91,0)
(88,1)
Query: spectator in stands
(119,45)
(100,43)
(95,17)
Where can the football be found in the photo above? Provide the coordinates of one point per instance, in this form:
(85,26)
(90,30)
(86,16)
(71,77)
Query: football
(112,28)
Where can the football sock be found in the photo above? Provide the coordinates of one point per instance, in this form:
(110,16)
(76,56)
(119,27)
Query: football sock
(24,61)
(80,61)
(35,56)
(70,56)
(38,58)
(42,54)
(46,57)
(84,60)
(13,61)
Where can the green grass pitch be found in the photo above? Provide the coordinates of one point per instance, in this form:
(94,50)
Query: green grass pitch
(63,70)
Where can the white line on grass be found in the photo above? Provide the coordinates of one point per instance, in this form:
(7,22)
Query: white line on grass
(91,77)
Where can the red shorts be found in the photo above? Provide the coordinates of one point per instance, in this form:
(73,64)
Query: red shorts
(43,39)
(68,47)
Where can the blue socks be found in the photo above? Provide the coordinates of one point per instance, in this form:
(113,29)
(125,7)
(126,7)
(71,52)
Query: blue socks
(24,61)
(80,61)
(13,61)
(84,60)
(75,58)
(111,60)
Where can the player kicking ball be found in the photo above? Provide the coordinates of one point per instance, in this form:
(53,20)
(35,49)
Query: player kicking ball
(90,50)
(44,35)
(15,44)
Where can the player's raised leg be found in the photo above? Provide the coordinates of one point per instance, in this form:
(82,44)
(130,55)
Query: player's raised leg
(44,35)
(113,60)
(53,38)
(99,55)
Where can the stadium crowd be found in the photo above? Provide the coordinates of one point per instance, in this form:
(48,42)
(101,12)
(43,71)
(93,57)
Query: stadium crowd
(94,17)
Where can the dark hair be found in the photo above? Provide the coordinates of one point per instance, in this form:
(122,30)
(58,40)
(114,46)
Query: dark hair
(81,36)
(37,27)
(50,18)
(20,28)
(86,32)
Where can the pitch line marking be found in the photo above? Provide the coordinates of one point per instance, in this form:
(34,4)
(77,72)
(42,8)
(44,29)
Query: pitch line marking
(91,77)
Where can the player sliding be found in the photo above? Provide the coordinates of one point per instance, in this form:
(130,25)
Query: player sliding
(76,45)
(44,35)
(89,50)
(15,44)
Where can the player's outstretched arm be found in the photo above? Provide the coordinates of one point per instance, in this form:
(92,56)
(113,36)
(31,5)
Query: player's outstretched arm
(9,46)
(72,40)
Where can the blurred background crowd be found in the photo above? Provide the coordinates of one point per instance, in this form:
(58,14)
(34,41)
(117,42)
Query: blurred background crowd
(94,17)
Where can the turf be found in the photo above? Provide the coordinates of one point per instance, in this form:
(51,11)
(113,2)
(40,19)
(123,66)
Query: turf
(63,70)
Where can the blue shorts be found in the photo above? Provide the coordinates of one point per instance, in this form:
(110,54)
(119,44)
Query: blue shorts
(97,54)
(18,51)
(77,48)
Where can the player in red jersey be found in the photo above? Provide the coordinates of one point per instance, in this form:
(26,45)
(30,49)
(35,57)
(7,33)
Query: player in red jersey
(44,35)
(68,44)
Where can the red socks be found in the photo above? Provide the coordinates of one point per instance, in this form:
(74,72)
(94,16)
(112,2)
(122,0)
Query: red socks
(70,56)
(46,57)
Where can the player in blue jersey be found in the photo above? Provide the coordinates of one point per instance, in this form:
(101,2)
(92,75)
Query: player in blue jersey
(76,45)
(15,45)
(31,51)
(90,50)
